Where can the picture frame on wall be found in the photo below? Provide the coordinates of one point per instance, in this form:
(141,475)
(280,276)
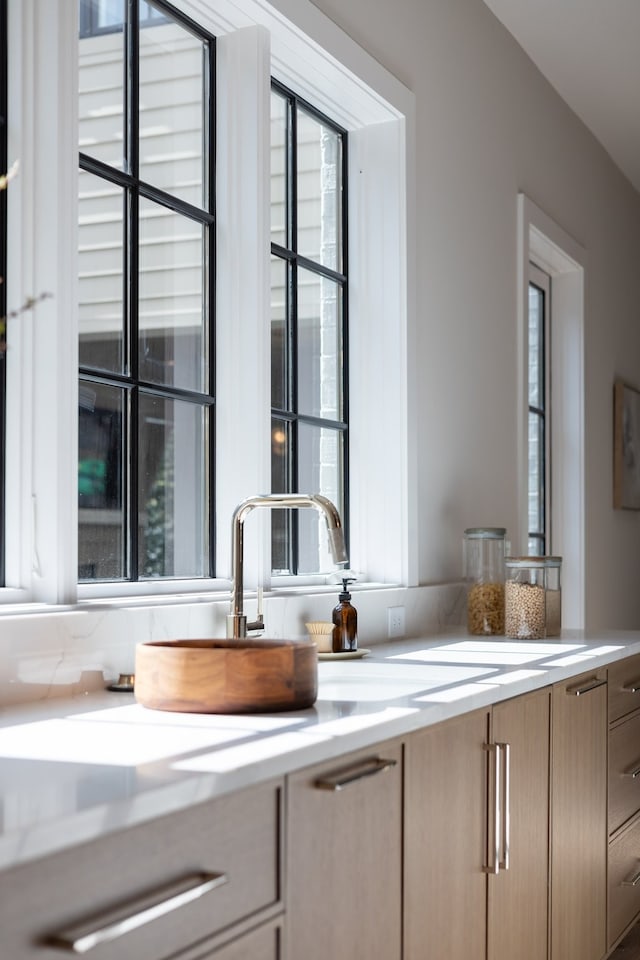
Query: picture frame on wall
(626,446)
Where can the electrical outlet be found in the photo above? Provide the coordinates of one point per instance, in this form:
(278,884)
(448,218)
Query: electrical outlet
(395,621)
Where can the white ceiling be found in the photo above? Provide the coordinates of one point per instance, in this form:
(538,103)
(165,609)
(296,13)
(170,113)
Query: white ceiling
(589,50)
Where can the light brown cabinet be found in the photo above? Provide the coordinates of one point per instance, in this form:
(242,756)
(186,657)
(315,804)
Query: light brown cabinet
(518,895)
(344,856)
(507,832)
(446,840)
(579,820)
(154,890)
(624,798)
(476,834)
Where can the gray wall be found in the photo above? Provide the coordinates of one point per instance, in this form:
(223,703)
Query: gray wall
(488,126)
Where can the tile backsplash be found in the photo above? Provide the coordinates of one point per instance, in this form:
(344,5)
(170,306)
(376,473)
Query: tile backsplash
(63,652)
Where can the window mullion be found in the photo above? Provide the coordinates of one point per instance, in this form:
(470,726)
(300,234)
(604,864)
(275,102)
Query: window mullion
(131,339)
(243,382)
(131,422)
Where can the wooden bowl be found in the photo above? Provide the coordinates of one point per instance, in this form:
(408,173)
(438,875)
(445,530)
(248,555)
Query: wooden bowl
(226,676)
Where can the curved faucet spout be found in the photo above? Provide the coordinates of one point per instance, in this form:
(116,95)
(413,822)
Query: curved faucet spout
(237,625)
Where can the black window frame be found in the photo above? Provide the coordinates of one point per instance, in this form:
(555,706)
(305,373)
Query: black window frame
(291,416)
(541,413)
(136,189)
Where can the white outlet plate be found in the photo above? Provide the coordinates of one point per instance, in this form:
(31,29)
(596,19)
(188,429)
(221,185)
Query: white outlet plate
(395,622)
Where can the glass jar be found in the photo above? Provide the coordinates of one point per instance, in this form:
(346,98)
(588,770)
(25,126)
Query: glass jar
(484,550)
(533,598)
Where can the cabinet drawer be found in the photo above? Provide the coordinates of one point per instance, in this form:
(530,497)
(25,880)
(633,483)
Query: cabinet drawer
(624,762)
(624,687)
(259,945)
(265,943)
(94,886)
(624,869)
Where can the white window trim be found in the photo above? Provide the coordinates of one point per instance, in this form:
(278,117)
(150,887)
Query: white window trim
(41,511)
(326,67)
(545,243)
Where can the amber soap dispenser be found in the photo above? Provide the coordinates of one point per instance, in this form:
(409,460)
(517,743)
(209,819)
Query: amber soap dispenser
(345,621)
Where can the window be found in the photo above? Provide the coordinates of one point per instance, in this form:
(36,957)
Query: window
(309,297)
(106,483)
(145,234)
(538,399)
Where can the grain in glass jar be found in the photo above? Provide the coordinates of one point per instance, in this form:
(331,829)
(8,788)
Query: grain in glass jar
(533,598)
(484,550)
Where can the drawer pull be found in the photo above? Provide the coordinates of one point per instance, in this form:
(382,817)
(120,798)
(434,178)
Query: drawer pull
(633,882)
(342,779)
(632,773)
(592,684)
(633,687)
(506,805)
(84,936)
(500,829)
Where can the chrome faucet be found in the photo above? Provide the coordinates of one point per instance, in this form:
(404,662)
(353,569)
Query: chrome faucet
(237,624)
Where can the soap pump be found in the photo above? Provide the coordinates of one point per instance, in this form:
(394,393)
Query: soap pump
(345,621)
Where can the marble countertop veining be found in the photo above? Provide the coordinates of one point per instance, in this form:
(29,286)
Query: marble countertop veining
(73,770)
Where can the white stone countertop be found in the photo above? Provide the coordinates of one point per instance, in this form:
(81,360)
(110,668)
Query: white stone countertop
(77,769)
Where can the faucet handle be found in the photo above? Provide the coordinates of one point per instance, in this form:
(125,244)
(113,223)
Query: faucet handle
(258,623)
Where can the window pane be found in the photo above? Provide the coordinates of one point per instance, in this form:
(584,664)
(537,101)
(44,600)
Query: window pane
(535,547)
(172,341)
(536,346)
(536,474)
(101,546)
(319,210)
(100,256)
(279,335)
(321,456)
(280,483)
(279,135)
(172,488)
(171,110)
(108,13)
(319,346)
(101,82)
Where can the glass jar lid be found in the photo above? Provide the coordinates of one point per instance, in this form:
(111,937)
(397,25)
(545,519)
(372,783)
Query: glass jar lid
(520,562)
(485,533)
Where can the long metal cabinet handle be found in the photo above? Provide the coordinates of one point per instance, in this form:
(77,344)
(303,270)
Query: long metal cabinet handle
(342,778)
(506,804)
(633,687)
(633,882)
(590,685)
(494,857)
(83,937)
(635,772)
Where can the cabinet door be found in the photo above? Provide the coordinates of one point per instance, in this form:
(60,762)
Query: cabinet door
(344,856)
(445,840)
(150,891)
(518,894)
(579,818)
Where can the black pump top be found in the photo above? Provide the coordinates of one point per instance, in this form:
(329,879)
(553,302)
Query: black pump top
(345,595)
